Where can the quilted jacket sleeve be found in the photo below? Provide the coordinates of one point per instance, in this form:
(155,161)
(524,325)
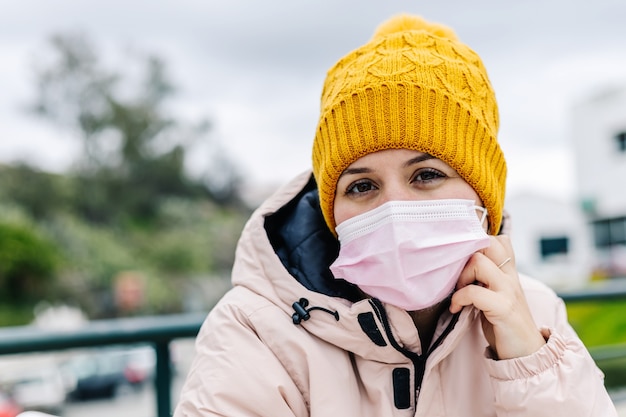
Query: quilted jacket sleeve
(235,374)
(561,379)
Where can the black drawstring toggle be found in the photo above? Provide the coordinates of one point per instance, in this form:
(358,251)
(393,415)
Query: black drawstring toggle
(302,313)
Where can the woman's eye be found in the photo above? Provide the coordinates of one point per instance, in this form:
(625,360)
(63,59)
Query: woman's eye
(428,175)
(360,187)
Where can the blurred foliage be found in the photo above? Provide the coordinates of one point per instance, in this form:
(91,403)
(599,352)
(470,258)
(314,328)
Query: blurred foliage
(15,313)
(599,323)
(614,373)
(64,257)
(28,261)
(38,193)
(169,254)
(128,205)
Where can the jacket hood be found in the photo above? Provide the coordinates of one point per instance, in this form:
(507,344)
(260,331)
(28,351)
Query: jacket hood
(305,245)
(292,244)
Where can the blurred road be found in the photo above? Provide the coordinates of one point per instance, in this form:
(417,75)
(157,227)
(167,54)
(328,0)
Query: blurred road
(136,403)
(140,403)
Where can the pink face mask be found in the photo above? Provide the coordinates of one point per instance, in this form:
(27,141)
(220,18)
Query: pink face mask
(409,253)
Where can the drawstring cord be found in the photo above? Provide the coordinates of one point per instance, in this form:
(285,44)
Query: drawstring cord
(302,313)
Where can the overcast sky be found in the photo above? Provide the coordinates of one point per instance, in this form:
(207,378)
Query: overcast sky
(255,69)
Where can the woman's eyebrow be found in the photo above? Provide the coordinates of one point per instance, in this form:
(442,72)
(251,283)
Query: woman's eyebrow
(349,171)
(421,158)
(364,170)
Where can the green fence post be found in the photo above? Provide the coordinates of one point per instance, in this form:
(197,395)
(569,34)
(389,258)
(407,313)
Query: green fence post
(163,379)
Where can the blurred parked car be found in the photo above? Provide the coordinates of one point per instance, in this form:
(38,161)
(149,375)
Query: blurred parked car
(140,365)
(40,389)
(105,373)
(8,407)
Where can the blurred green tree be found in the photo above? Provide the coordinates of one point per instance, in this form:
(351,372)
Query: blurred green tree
(134,150)
(28,263)
(128,203)
(38,193)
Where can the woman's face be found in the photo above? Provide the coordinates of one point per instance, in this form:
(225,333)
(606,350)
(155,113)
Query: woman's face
(396,174)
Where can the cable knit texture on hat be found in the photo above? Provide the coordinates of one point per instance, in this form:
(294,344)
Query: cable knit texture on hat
(415,86)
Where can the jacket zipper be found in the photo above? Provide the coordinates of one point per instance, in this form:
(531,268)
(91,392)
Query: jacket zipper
(418,361)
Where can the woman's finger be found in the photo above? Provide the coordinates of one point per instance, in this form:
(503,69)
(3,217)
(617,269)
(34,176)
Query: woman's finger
(480,270)
(482,298)
(486,266)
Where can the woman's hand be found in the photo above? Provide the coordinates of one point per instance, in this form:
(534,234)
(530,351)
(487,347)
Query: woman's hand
(507,323)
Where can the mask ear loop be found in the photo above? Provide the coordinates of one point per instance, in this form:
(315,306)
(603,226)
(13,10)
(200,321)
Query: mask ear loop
(484,216)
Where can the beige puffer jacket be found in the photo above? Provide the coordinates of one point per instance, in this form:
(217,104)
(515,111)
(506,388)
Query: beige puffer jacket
(256,356)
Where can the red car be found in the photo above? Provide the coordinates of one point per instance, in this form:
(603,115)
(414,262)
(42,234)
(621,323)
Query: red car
(8,407)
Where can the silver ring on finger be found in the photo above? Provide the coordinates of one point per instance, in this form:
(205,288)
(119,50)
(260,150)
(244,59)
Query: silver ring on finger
(506,261)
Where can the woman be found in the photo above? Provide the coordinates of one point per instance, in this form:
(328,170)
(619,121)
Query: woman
(380,285)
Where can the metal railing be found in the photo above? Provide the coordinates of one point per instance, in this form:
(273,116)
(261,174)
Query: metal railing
(160,331)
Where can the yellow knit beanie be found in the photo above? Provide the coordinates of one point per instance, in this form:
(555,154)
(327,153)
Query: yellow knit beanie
(415,86)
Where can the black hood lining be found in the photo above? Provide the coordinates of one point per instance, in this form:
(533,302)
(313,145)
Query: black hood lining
(305,245)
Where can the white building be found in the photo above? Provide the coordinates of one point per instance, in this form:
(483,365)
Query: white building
(599,137)
(551,240)
(567,243)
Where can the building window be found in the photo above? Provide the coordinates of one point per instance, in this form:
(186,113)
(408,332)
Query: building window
(551,246)
(620,138)
(602,233)
(618,231)
(609,232)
